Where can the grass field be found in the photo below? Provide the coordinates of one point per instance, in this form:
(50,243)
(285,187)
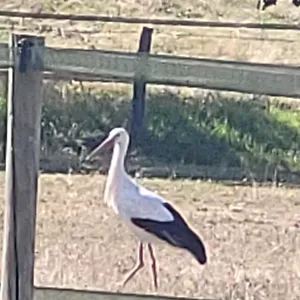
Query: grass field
(250,45)
(251,234)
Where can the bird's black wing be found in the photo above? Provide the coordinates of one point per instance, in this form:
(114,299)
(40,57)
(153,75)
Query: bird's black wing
(177,233)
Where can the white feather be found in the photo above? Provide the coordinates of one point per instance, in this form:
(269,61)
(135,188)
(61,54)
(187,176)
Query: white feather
(135,201)
(127,198)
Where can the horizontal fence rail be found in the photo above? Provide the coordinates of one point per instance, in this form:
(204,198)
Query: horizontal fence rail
(41,293)
(91,65)
(153,21)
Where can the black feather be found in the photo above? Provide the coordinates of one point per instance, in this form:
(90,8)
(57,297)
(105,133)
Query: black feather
(177,233)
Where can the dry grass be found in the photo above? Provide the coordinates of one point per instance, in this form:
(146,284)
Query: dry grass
(239,44)
(251,234)
(251,45)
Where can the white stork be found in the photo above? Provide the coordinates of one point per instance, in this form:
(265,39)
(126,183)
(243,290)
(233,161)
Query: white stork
(148,215)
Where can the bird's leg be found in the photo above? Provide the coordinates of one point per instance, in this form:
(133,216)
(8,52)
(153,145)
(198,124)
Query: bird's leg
(140,264)
(154,271)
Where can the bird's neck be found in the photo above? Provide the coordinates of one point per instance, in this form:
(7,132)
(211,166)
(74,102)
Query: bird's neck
(116,174)
(117,161)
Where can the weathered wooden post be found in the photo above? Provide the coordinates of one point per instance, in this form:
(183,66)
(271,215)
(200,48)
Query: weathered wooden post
(25,81)
(139,89)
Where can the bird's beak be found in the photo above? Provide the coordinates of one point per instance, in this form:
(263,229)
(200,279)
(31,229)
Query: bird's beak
(106,144)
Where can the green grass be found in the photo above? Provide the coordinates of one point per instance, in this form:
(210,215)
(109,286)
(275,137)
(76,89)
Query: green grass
(210,130)
(213,130)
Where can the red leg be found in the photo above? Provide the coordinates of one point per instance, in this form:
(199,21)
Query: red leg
(154,271)
(140,264)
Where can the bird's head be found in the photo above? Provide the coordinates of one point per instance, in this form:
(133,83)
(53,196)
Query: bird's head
(118,136)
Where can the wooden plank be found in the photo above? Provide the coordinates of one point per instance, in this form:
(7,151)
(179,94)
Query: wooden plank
(22,165)
(67,76)
(41,293)
(92,62)
(268,79)
(9,278)
(153,21)
(139,88)
(225,75)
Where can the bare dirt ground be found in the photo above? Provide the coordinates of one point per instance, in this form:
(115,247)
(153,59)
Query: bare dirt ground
(252,237)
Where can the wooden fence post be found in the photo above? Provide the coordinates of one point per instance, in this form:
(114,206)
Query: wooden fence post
(25,81)
(139,89)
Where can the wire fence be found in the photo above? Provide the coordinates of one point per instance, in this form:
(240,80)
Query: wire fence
(153,21)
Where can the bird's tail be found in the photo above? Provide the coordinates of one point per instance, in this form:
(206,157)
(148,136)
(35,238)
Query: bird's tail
(196,247)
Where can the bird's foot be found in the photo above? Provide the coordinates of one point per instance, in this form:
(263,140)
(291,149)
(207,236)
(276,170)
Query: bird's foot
(124,282)
(119,286)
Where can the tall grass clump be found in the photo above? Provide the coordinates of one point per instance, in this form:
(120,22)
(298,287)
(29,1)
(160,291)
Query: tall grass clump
(216,130)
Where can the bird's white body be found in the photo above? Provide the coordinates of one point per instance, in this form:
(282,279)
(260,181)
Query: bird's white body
(147,214)
(138,202)
(130,200)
